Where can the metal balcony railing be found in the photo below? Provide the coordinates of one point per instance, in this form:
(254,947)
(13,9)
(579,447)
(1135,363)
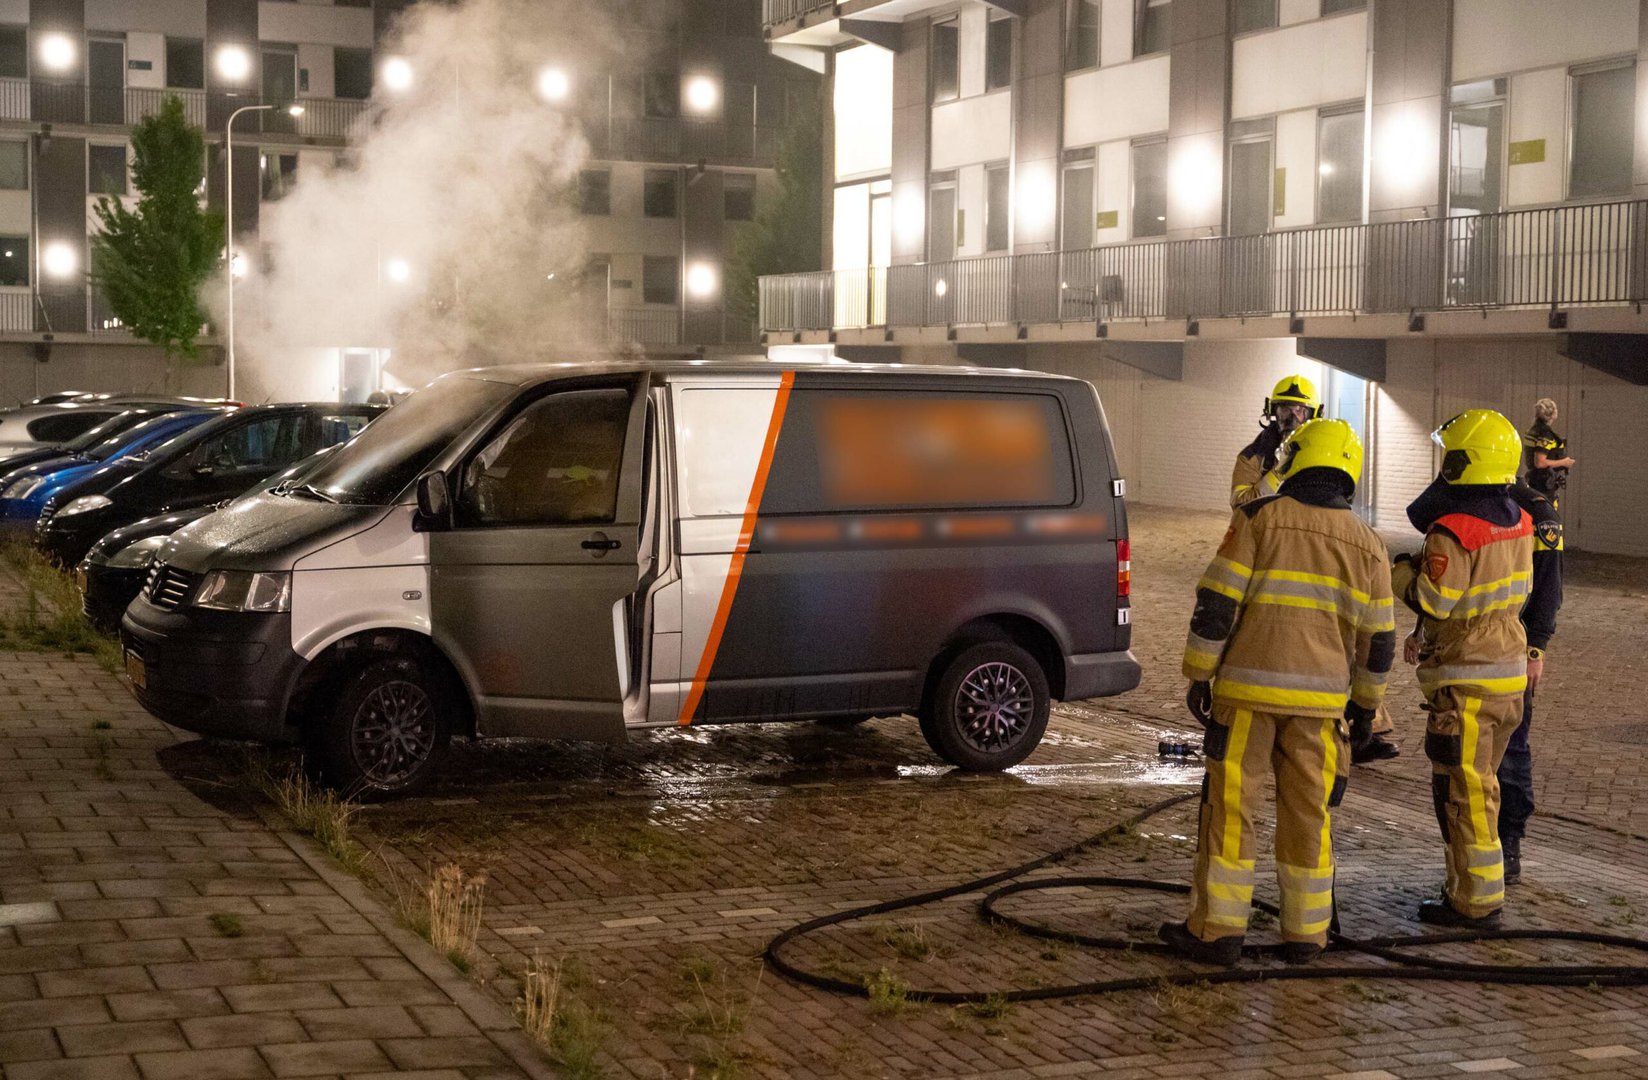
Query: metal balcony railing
(680,139)
(645,326)
(777,11)
(1557,257)
(123,106)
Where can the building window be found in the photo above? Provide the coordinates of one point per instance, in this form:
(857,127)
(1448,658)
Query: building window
(1076,229)
(998,215)
(658,193)
(1604,102)
(1152,26)
(944,228)
(14,53)
(352,73)
(739,196)
(998,54)
(946,60)
(661,95)
(1150,188)
(1254,15)
(186,63)
(106,169)
(595,192)
(1476,147)
(1081,34)
(1339,167)
(1334,7)
(14,260)
(660,279)
(280,172)
(14,166)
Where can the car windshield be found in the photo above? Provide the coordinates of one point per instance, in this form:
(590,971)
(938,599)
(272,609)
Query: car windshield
(114,425)
(113,444)
(376,466)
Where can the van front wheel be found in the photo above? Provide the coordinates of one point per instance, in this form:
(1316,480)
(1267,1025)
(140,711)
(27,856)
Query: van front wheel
(386,732)
(989,707)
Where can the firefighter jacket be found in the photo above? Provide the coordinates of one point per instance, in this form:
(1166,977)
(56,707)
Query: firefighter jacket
(1469,584)
(1293,616)
(1251,478)
(1545,597)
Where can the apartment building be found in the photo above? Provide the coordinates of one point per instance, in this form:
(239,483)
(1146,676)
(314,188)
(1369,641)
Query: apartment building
(682,152)
(1426,204)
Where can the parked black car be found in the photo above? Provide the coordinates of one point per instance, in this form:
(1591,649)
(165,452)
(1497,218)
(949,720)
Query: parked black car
(114,570)
(204,466)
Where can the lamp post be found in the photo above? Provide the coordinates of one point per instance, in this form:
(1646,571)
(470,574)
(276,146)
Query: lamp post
(229,220)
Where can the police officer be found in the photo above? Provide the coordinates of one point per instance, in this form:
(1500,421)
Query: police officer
(1469,584)
(1516,779)
(1545,458)
(1292,637)
(1292,403)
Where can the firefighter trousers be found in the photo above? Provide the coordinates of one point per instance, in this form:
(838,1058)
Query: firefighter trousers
(1465,739)
(1309,756)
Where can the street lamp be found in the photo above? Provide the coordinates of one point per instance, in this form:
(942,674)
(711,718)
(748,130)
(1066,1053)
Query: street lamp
(57,52)
(229,220)
(234,63)
(397,74)
(554,84)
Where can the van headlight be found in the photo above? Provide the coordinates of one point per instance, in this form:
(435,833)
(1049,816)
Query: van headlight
(136,555)
(240,590)
(84,504)
(21,489)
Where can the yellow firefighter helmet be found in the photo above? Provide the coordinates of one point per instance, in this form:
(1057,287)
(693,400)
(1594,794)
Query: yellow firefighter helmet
(1325,444)
(1479,446)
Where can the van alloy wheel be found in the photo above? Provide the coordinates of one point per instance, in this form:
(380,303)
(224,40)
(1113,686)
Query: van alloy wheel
(994,705)
(394,732)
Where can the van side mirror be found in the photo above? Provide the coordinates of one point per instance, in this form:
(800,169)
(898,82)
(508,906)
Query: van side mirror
(434,502)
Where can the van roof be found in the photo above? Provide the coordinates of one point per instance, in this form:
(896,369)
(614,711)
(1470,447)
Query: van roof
(522,374)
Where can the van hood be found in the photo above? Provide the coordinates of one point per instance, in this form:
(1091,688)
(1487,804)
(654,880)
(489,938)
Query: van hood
(265,532)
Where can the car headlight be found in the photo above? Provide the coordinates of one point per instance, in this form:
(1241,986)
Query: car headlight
(240,590)
(84,504)
(22,488)
(136,555)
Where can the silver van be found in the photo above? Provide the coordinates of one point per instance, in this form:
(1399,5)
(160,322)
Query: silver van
(578,551)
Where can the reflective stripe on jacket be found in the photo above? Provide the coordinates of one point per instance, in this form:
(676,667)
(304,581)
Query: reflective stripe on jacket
(1293,615)
(1473,579)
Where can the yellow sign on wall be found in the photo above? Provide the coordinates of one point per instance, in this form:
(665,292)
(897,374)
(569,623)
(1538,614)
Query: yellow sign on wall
(1107,219)
(1281,193)
(1528,152)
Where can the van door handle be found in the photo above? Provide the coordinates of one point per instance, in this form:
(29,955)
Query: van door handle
(601,543)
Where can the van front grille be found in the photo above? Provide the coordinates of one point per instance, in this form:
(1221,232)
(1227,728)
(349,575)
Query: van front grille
(169,588)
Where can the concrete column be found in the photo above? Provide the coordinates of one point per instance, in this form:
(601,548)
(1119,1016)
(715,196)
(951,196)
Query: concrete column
(1038,126)
(1411,71)
(704,229)
(910,131)
(60,202)
(58,96)
(1198,108)
(826,124)
(1640,158)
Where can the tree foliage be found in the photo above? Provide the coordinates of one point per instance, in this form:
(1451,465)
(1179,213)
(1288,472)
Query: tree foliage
(150,260)
(787,235)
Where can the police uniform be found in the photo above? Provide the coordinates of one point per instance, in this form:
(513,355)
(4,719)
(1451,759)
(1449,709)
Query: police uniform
(1469,585)
(1548,481)
(1293,622)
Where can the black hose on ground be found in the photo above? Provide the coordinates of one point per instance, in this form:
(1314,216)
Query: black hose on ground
(1400,963)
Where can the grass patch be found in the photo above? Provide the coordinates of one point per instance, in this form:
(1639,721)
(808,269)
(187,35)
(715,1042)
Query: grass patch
(908,939)
(102,725)
(1196,1001)
(553,1011)
(51,619)
(888,993)
(713,1018)
(225,925)
(319,812)
(994,1007)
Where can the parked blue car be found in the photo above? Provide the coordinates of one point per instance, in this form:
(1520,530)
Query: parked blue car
(24,491)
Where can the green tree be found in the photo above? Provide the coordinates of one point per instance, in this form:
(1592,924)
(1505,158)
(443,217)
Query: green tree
(787,235)
(149,262)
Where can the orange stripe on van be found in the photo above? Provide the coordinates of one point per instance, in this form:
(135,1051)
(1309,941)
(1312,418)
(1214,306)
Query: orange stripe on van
(736,568)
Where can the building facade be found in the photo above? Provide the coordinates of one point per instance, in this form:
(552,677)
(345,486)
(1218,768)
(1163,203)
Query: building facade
(681,150)
(1428,204)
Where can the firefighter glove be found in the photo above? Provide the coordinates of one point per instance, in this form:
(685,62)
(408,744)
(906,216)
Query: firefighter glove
(1199,698)
(1360,720)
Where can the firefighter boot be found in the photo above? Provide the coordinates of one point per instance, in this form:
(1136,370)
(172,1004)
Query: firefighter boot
(1513,858)
(1223,952)
(1442,913)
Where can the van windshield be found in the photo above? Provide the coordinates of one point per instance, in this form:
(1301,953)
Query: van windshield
(378,464)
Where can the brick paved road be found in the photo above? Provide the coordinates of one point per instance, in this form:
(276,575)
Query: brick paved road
(658,870)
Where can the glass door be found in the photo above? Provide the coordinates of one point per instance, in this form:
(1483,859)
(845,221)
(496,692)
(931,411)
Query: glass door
(106,80)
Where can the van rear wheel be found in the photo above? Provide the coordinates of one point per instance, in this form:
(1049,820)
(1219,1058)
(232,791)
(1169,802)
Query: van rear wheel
(385,733)
(988,709)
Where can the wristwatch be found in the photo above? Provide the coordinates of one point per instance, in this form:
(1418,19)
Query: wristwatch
(1535,654)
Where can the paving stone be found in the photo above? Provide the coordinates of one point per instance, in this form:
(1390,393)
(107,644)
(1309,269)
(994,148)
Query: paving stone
(318,1058)
(247,1029)
(96,1040)
(109,1068)
(235,1063)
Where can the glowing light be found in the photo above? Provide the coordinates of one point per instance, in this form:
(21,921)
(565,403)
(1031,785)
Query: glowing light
(57,52)
(701,281)
(397,74)
(940,287)
(554,84)
(294,110)
(59,259)
(1402,154)
(398,270)
(1037,198)
(1193,179)
(1326,168)
(237,265)
(234,63)
(909,217)
(703,95)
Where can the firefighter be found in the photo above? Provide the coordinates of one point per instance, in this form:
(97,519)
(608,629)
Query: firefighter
(1468,585)
(1292,403)
(1516,779)
(1292,639)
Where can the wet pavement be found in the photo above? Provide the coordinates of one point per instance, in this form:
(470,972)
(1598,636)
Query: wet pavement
(654,873)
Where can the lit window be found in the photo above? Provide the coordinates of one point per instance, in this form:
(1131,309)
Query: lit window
(1339,167)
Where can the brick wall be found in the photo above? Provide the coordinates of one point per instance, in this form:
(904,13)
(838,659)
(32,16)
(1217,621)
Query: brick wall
(1403,454)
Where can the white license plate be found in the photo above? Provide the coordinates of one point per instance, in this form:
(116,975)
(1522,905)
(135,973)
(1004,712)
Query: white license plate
(136,672)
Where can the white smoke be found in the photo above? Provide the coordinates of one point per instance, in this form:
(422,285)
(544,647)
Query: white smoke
(448,231)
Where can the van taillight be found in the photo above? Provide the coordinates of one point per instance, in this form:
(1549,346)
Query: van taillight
(1124,568)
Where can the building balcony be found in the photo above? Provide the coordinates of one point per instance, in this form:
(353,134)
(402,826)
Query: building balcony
(39,100)
(1553,258)
(682,140)
(661,326)
(828,23)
